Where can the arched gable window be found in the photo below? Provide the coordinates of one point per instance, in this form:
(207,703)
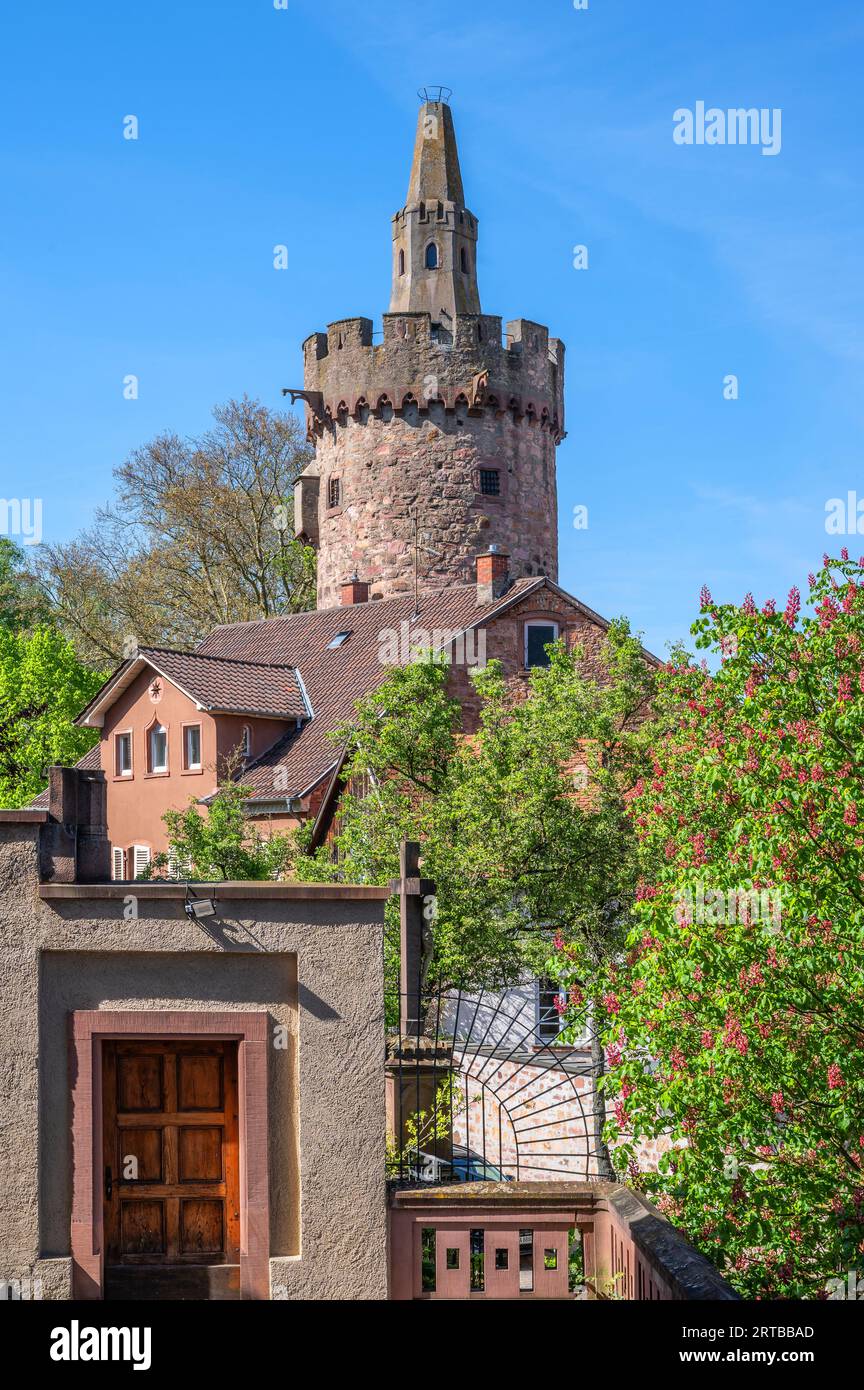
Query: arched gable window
(431,256)
(401,262)
(157,748)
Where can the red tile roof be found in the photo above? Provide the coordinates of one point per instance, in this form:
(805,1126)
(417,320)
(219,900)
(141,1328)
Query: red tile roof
(286,668)
(335,678)
(232,686)
(219,684)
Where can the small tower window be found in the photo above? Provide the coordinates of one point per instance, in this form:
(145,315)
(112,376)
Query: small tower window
(246,742)
(490,482)
(334,492)
(538,636)
(463,260)
(401,262)
(431,256)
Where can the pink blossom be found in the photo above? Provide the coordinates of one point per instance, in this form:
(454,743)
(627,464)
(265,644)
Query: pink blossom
(793,606)
(835,1077)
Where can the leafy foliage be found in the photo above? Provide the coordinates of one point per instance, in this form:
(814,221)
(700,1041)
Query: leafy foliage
(22,604)
(199,533)
(42,687)
(736,1031)
(518,845)
(219,844)
(523,822)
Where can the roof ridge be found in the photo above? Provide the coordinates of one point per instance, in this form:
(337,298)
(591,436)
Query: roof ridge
(344,608)
(214,656)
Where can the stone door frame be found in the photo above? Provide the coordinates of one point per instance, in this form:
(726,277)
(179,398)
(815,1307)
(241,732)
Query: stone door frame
(88,1029)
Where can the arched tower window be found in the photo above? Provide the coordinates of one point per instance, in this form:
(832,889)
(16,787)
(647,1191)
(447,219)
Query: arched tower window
(431,256)
(401,262)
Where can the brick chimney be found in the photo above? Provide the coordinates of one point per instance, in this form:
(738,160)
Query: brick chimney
(493,574)
(354,590)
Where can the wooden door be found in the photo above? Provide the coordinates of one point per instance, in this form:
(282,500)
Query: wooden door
(171,1160)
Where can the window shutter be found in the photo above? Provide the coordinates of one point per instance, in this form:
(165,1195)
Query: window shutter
(118,862)
(179,866)
(140,859)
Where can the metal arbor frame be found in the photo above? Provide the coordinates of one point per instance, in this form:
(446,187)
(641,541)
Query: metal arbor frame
(480,1048)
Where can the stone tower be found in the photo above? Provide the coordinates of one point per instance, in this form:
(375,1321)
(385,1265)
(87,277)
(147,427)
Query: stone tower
(439,441)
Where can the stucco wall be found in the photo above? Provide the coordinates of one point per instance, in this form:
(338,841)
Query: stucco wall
(136,803)
(309,958)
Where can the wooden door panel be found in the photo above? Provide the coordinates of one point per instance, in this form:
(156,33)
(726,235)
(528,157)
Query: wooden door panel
(199,1083)
(173,1194)
(139,1083)
(201,1227)
(142,1228)
(141,1154)
(200,1156)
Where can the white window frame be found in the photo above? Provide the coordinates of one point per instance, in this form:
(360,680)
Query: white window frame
(537,622)
(151,764)
(188,765)
(118,771)
(246,741)
(539,988)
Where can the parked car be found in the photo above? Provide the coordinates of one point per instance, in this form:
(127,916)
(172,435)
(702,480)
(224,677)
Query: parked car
(465,1166)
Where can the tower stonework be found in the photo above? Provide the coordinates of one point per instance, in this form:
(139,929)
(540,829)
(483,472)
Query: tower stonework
(439,441)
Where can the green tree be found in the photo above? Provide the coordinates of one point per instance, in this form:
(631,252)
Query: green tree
(22,604)
(42,687)
(219,843)
(736,1021)
(523,824)
(199,533)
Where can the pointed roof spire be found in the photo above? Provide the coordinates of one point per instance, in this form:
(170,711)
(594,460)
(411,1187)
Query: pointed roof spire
(435,171)
(434,234)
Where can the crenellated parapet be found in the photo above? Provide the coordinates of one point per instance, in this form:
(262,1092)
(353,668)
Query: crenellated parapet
(475,367)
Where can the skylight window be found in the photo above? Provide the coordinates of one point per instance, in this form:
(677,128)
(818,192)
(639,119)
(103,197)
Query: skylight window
(338,639)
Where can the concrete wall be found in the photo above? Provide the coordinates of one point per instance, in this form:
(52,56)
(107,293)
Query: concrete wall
(308,958)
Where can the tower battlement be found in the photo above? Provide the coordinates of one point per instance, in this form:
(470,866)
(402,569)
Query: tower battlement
(520,371)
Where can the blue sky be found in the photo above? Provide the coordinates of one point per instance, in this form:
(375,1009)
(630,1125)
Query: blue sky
(261,126)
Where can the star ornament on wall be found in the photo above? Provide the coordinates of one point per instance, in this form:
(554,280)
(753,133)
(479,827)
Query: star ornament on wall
(155,691)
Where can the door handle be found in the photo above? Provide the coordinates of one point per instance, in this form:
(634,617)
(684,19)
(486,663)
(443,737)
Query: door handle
(108,1184)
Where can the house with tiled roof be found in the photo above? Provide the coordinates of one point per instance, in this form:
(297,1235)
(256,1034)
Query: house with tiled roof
(431,503)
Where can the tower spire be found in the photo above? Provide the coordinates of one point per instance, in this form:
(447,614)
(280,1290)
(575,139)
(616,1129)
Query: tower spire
(434,234)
